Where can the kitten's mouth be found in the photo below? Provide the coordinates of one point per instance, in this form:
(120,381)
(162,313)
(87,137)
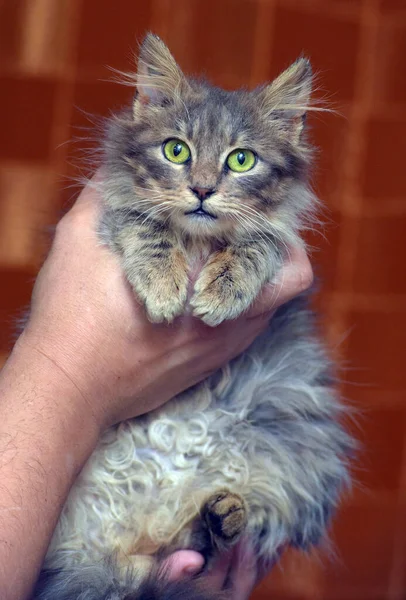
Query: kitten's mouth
(201,213)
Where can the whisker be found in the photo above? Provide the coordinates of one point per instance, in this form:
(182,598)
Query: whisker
(272,229)
(153,213)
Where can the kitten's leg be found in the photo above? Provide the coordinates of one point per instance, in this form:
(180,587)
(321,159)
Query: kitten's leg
(218,524)
(231,280)
(156,267)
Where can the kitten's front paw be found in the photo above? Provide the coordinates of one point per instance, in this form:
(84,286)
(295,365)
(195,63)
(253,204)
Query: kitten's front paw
(220,294)
(165,300)
(159,311)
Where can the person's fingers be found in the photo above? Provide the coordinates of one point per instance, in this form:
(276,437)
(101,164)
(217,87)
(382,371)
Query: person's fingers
(243,573)
(183,563)
(296,276)
(217,574)
(238,570)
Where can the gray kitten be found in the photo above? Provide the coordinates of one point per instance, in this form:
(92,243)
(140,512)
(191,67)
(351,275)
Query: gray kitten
(200,179)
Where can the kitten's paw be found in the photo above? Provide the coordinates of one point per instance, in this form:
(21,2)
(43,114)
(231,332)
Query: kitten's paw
(226,515)
(166,300)
(160,311)
(220,295)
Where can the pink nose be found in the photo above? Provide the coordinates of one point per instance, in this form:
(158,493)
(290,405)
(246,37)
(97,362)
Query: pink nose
(202,193)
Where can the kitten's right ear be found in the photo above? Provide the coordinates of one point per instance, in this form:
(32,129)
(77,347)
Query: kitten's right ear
(289,96)
(158,78)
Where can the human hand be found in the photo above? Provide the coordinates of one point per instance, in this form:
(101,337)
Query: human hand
(236,572)
(87,323)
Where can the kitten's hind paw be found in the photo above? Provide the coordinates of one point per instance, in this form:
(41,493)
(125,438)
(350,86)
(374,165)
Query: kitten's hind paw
(225,514)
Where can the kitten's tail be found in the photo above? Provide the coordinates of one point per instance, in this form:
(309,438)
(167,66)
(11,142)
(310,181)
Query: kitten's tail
(103,582)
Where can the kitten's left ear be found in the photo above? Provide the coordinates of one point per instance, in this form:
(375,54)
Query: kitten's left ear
(289,94)
(158,77)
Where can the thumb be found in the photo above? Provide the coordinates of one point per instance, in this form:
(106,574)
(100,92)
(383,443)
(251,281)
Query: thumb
(183,563)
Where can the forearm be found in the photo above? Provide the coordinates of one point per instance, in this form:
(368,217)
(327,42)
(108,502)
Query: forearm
(46,436)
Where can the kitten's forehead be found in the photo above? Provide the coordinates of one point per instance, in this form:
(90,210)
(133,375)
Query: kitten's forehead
(215,121)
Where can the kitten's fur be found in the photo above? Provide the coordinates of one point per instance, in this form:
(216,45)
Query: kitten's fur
(256,448)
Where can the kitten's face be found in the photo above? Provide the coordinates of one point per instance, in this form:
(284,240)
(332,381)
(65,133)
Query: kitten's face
(190,159)
(208,162)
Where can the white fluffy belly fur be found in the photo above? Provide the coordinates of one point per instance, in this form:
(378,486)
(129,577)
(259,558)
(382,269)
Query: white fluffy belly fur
(145,480)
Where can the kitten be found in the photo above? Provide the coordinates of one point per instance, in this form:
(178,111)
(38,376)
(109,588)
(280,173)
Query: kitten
(199,179)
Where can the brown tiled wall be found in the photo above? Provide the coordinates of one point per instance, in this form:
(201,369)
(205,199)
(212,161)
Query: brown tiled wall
(53,57)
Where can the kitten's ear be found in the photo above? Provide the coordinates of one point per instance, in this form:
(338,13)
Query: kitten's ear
(158,76)
(288,96)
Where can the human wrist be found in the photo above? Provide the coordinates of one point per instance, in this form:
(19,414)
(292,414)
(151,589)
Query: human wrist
(35,387)
(46,436)
(71,353)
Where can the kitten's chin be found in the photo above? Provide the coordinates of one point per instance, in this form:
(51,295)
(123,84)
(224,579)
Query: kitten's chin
(200,224)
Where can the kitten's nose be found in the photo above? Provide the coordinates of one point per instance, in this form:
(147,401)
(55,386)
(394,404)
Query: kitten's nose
(202,193)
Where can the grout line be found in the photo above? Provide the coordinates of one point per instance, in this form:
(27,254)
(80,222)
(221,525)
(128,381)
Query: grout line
(382,207)
(373,398)
(348,12)
(64,102)
(389,111)
(367,302)
(352,197)
(397,574)
(356,591)
(160,17)
(351,202)
(396,18)
(263,42)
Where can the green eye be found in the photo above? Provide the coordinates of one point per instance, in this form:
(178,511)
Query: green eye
(241,160)
(176,151)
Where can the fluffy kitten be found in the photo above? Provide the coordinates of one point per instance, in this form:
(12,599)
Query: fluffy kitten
(197,176)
